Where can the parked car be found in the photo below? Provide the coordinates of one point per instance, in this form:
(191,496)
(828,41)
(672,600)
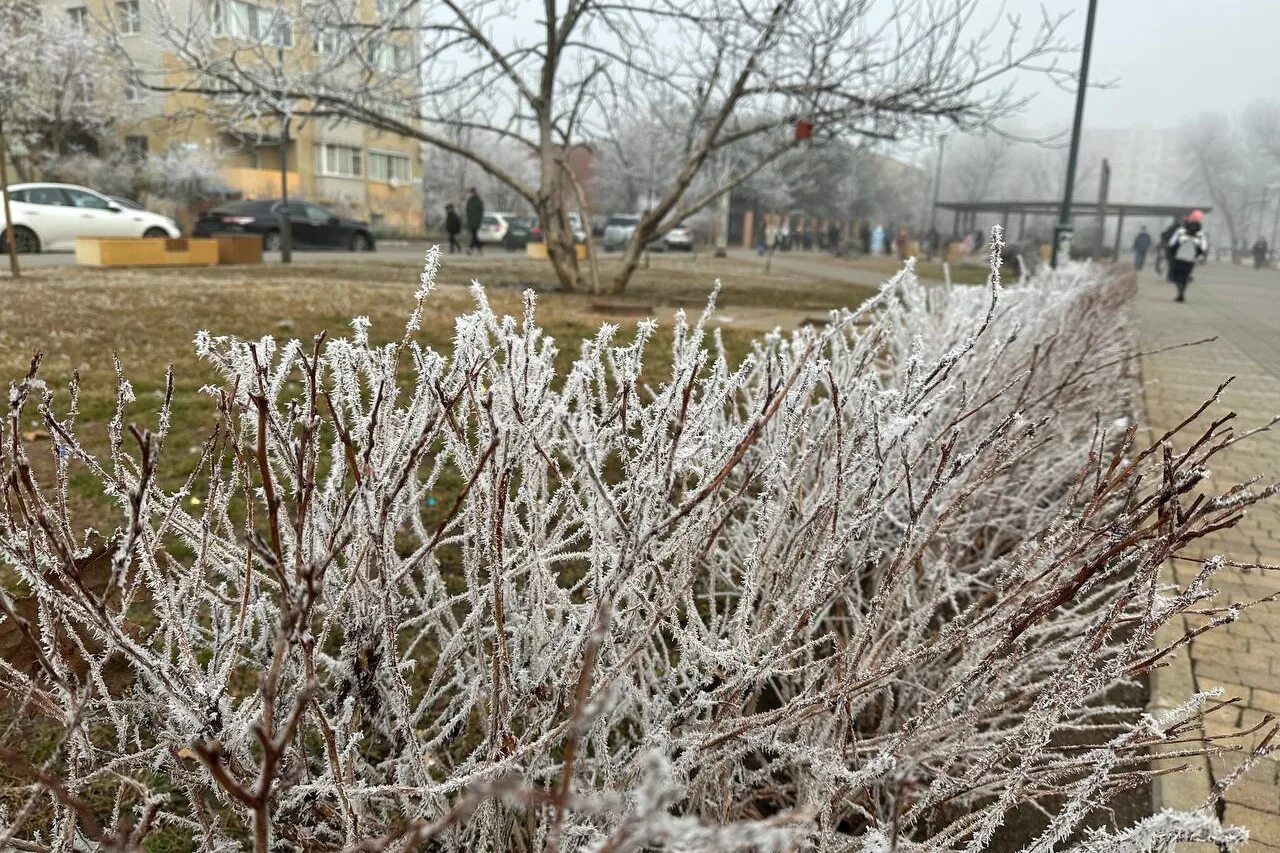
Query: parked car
(493,227)
(575,225)
(618,230)
(311,226)
(679,238)
(521,232)
(49,217)
(124,201)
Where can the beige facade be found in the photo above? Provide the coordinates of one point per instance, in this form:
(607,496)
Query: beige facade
(357,170)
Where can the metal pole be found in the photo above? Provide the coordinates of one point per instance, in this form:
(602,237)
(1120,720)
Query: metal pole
(937,182)
(286,227)
(9,230)
(1062,233)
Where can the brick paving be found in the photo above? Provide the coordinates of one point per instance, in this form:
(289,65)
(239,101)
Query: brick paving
(1241,307)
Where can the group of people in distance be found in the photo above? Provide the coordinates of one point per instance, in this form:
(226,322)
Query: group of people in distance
(1182,245)
(474,210)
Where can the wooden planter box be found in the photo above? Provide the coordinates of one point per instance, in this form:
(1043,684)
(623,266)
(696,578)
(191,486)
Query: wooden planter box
(239,248)
(538,251)
(145,252)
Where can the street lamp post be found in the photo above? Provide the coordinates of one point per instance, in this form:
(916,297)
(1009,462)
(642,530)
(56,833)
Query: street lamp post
(1062,233)
(937,182)
(286,225)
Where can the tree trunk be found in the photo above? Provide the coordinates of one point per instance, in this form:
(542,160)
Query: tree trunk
(559,239)
(630,262)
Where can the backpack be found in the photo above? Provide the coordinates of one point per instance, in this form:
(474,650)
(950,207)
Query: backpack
(1188,248)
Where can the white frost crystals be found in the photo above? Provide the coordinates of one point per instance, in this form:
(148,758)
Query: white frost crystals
(874,588)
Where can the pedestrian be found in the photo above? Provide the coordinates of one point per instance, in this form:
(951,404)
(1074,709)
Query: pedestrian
(889,236)
(452,227)
(475,216)
(931,241)
(864,236)
(902,244)
(1162,257)
(1141,245)
(833,238)
(1188,245)
(1260,252)
(877,240)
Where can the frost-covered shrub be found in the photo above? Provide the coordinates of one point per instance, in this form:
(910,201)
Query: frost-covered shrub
(866,590)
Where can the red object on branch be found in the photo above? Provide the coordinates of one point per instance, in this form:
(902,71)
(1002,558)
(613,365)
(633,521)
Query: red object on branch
(804,130)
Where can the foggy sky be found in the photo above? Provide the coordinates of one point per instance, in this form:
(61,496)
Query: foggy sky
(1169,59)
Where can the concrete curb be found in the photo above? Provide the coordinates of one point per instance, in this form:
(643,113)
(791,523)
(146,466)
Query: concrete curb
(1170,686)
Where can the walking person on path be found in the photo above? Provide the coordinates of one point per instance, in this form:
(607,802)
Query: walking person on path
(1187,246)
(1141,245)
(1162,256)
(452,227)
(1260,252)
(877,240)
(475,216)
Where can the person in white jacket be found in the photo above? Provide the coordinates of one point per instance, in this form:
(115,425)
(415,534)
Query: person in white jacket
(1188,246)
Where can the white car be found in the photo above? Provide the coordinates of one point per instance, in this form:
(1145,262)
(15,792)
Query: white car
(679,238)
(617,231)
(493,227)
(49,217)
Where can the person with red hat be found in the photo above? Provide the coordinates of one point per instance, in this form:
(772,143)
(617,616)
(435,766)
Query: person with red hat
(1188,246)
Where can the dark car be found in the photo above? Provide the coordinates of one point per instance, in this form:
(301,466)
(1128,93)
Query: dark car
(312,226)
(521,231)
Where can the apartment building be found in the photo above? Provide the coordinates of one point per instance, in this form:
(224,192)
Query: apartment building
(358,170)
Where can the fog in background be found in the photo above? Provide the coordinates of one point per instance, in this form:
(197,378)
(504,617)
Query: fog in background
(1169,60)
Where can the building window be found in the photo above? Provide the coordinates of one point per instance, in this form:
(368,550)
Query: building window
(328,40)
(82,90)
(136,147)
(129,16)
(390,168)
(134,91)
(388,56)
(79,16)
(241,20)
(341,161)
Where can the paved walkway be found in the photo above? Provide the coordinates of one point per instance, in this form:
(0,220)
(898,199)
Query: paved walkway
(1241,307)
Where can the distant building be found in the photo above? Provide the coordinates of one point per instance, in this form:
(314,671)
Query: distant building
(1147,166)
(363,172)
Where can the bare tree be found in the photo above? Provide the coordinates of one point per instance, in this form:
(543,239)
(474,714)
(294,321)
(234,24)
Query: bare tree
(971,169)
(1221,163)
(1261,122)
(62,87)
(561,76)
